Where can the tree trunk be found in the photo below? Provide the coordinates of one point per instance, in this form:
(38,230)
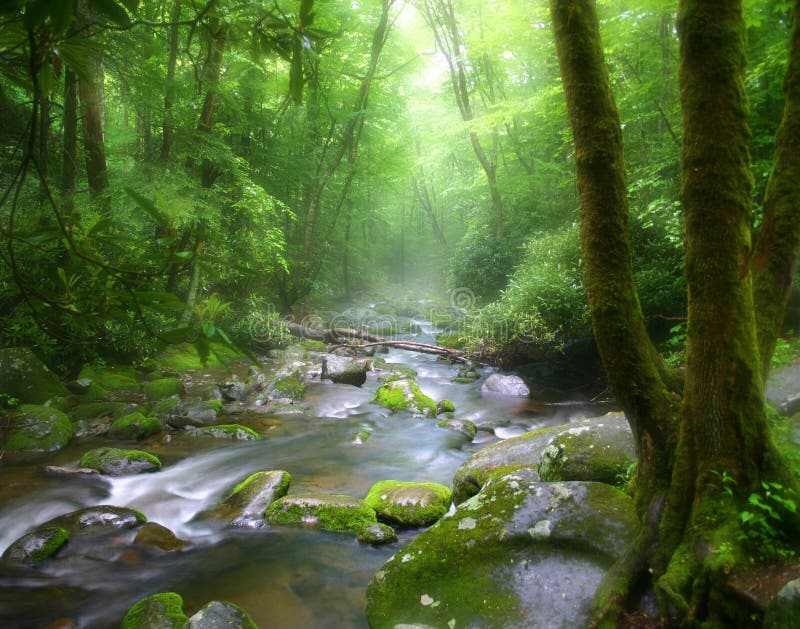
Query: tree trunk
(170,88)
(721,426)
(218,35)
(69,166)
(90,88)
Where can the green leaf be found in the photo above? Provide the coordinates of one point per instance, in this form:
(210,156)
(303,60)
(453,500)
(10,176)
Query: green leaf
(112,11)
(176,335)
(209,329)
(36,13)
(148,206)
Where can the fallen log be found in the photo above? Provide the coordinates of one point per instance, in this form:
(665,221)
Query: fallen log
(424,348)
(332,335)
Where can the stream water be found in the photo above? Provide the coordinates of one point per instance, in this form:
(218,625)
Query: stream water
(284,577)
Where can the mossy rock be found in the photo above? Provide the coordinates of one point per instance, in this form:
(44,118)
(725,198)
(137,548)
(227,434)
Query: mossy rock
(246,504)
(154,535)
(237,432)
(405,394)
(183,357)
(462,426)
(134,426)
(37,545)
(120,384)
(219,614)
(606,452)
(310,345)
(288,387)
(409,504)
(96,410)
(163,388)
(24,377)
(519,554)
(157,611)
(377,534)
(99,517)
(445,406)
(330,512)
(118,462)
(34,428)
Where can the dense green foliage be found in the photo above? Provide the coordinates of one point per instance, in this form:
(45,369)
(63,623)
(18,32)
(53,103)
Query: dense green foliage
(251,157)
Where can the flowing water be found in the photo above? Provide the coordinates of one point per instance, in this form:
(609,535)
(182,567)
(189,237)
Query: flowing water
(284,577)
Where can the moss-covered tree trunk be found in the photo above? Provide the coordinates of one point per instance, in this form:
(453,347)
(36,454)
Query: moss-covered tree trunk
(721,425)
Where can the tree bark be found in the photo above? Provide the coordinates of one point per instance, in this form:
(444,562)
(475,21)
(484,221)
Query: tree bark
(212,68)
(170,88)
(90,89)
(69,166)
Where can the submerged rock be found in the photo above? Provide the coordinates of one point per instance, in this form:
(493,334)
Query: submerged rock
(505,385)
(404,394)
(24,377)
(98,517)
(158,611)
(597,449)
(154,535)
(220,615)
(248,501)
(37,545)
(118,462)
(34,428)
(519,554)
(237,432)
(344,370)
(409,504)
(461,426)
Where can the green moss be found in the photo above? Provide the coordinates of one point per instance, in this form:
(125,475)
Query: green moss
(37,545)
(92,410)
(242,490)
(163,388)
(463,380)
(228,431)
(450,340)
(405,394)
(163,610)
(376,533)
(445,406)
(36,428)
(183,357)
(56,538)
(289,387)
(409,504)
(112,378)
(115,461)
(311,345)
(134,426)
(330,512)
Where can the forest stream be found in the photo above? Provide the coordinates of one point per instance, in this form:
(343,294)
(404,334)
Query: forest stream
(284,577)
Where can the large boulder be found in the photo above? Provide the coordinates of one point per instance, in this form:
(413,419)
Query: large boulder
(409,504)
(115,384)
(520,554)
(246,504)
(118,462)
(37,545)
(403,394)
(157,611)
(597,449)
(34,428)
(784,610)
(235,432)
(505,385)
(99,517)
(220,615)
(344,370)
(24,377)
(134,426)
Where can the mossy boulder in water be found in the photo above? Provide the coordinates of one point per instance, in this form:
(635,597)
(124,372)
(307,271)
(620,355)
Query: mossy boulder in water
(118,462)
(344,370)
(505,386)
(236,432)
(248,501)
(37,545)
(115,384)
(376,534)
(405,395)
(462,426)
(134,426)
(158,611)
(331,512)
(597,449)
(219,615)
(161,388)
(34,428)
(98,517)
(24,377)
(288,387)
(409,504)
(520,554)
(155,535)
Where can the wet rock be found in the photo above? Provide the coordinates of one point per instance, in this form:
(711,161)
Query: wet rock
(233,391)
(24,377)
(158,611)
(163,388)
(95,410)
(119,462)
(377,534)
(599,449)
(409,504)
(154,535)
(288,387)
(331,512)
(197,414)
(70,472)
(98,517)
(236,432)
(220,615)
(505,385)
(519,554)
(445,406)
(344,370)
(34,428)
(134,427)
(248,501)
(461,426)
(405,394)
(784,610)
(37,545)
